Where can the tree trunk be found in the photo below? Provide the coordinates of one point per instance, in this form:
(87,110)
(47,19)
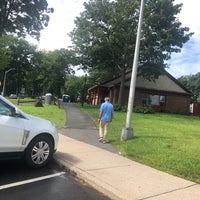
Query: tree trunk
(121,89)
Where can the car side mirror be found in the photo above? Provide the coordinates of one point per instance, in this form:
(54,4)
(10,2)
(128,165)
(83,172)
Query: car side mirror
(13,112)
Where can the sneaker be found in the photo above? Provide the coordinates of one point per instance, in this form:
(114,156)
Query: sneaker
(101,140)
(104,142)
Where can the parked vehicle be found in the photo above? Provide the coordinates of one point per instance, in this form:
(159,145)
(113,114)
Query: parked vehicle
(23,135)
(66,98)
(13,96)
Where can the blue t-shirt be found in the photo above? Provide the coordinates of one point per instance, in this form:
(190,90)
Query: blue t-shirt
(107,110)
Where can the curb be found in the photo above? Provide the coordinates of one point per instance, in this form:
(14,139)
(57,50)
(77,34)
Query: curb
(93,181)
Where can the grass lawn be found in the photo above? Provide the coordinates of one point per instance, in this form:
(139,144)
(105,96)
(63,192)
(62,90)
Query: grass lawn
(51,112)
(167,142)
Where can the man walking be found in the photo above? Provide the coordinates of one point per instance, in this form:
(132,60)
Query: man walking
(105,117)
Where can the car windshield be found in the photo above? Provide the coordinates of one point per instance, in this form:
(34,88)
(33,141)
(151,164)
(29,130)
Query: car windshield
(5,107)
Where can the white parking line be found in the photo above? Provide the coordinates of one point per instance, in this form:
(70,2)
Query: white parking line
(30,180)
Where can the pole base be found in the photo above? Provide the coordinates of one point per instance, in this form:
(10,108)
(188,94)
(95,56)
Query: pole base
(127,133)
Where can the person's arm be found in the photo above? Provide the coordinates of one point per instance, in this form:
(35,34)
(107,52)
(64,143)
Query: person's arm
(100,114)
(111,117)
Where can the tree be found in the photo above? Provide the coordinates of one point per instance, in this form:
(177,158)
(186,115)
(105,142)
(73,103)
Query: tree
(105,32)
(53,69)
(38,72)
(73,87)
(24,17)
(192,82)
(5,54)
(22,56)
(76,86)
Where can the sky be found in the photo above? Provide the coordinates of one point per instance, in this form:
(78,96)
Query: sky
(55,36)
(188,61)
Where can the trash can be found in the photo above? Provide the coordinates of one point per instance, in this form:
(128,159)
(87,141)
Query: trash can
(48,98)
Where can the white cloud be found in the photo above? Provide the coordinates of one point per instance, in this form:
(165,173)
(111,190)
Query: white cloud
(55,36)
(189,14)
(188,61)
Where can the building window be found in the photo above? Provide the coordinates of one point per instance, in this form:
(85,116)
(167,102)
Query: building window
(153,100)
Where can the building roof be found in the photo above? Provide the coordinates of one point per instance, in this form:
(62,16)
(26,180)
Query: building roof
(165,82)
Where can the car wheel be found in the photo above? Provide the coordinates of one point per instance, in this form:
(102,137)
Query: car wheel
(39,152)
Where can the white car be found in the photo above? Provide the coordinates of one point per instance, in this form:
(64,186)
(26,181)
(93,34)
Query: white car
(23,135)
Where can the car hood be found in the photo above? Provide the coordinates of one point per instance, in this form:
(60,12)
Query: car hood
(39,122)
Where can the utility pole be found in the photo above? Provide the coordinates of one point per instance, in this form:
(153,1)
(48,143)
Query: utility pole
(127,131)
(4,81)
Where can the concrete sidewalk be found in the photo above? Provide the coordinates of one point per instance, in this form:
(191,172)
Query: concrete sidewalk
(115,175)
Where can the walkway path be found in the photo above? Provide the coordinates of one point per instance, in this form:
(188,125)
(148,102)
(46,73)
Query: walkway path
(118,177)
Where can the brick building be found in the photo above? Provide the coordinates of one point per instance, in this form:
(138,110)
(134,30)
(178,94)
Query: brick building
(163,94)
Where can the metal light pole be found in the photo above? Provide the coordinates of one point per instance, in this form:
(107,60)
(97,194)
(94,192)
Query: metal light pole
(127,132)
(4,80)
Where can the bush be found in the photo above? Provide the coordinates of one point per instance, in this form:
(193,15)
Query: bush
(124,109)
(117,107)
(137,109)
(143,109)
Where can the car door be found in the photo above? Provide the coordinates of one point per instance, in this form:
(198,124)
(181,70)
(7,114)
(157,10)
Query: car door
(11,129)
